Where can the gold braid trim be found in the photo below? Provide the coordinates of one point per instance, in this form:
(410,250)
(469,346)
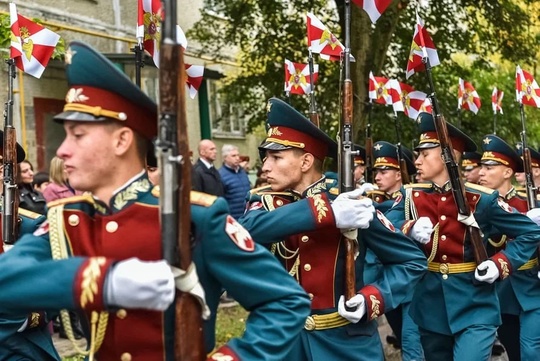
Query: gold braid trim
(435,244)
(95,111)
(497,244)
(59,251)
(412,213)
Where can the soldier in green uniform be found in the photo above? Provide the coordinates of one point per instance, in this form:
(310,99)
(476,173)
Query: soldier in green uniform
(300,216)
(519,294)
(101,253)
(470,166)
(457,319)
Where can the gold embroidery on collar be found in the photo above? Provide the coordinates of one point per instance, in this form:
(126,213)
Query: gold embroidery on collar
(91,274)
(34,320)
(131,193)
(375,307)
(316,189)
(504,268)
(321,207)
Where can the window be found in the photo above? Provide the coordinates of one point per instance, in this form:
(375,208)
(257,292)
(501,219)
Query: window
(228,120)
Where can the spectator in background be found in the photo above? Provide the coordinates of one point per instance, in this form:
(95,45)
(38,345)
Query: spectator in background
(235,180)
(205,177)
(29,198)
(153,174)
(41,181)
(59,186)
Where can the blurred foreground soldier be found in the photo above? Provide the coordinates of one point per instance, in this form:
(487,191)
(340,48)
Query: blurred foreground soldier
(470,166)
(359,162)
(101,254)
(24,336)
(519,294)
(299,215)
(457,319)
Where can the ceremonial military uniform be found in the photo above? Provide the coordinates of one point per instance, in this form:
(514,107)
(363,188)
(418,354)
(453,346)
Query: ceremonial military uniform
(302,229)
(458,319)
(85,241)
(519,294)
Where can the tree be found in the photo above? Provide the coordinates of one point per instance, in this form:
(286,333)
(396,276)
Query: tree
(266,32)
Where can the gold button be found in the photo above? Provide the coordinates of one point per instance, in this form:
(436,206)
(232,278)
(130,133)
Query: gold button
(377,199)
(310,296)
(443,217)
(416,194)
(305,238)
(279,202)
(443,199)
(307,267)
(444,277)
(310,324)
(126,356)
(121,313)
(444,257)
(111,227)
(73,220)
(443,238)
(474,198)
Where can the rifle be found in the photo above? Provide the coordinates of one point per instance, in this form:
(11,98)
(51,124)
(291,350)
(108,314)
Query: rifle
(139,61)
(172,150)
(10,201)
(345,156)
(530,189)
(313,115)
(405,179)
(369,149)
(458,187)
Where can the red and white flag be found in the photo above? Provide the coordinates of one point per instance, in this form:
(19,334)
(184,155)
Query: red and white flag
(496,100)
(194,79)
(468,97)
(150,16)
(406,99)
(527,90)
(321,41)
(374,8)
(32,45)
(378,90)
(426,106)
(297,80)
(422,47)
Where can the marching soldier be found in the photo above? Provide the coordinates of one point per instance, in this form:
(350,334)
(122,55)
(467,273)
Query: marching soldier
(296,214)
(519,294)
(457,319)
(100,253)
(535,165)
(470,166)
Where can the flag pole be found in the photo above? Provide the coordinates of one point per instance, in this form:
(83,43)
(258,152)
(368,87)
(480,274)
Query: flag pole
(313,115)
(495,122)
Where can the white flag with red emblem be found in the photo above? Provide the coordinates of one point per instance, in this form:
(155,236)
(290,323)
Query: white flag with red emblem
(32,45)
(422,47)
(374,8)
(378,90)
(194,79)
(496,100)
(297,80)
(527,90)
(150,16)
(406,99)
(468,97)
(321,41)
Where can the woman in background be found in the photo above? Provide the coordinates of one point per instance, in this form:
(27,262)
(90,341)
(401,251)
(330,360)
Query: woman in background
(59,186)
(29,198)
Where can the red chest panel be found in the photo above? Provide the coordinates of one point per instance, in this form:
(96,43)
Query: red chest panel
(519,204)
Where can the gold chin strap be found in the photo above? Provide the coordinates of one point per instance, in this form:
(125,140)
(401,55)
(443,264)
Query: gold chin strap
(98,321)
(95,111)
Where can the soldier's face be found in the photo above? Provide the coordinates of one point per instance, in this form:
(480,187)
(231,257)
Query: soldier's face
(494,176)
(430,166)
(283,169)
(388,180)
(473,175)
(520,178)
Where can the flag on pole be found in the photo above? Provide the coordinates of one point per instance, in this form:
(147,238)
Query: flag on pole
(297,80)
(422,47)
(194,79)
(321,41)
(378,90)
(406,99)
(149,18)
(374,8)
(32,45)
(527,90)
(468,98)
(496,100)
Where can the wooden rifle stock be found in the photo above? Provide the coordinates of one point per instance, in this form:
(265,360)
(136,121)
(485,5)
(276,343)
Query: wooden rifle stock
(530,188)
(405,178)
(10,200)
(314,117)
(175,184)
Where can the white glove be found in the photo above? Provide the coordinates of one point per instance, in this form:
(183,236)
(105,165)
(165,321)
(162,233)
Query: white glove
(538,274)
(366,187)
(534,215)
(138,284)
(422,229)
(358,303)
(188,281)
(351,212)
(491,272)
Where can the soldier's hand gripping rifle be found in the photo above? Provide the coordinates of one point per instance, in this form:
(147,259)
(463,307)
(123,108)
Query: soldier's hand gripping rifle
(458,187)
(345,157)
(172,150)
(10,201)
(530,188)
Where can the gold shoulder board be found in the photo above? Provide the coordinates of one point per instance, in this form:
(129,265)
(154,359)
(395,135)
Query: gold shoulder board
(29,214)
(86,197)
(480,188)
(419,185)
(202,199)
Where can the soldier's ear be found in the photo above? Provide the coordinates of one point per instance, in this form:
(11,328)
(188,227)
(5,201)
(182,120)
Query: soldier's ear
(124,139)
(307,161)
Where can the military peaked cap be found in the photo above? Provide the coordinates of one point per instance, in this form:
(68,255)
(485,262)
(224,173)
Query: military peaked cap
(497,152)
(429,138)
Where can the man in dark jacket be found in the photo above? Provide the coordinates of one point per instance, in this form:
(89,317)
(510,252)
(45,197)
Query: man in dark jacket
(235,180)
(205,177)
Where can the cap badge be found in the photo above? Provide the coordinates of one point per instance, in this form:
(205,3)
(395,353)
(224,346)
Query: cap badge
(76,96)
(378,146)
